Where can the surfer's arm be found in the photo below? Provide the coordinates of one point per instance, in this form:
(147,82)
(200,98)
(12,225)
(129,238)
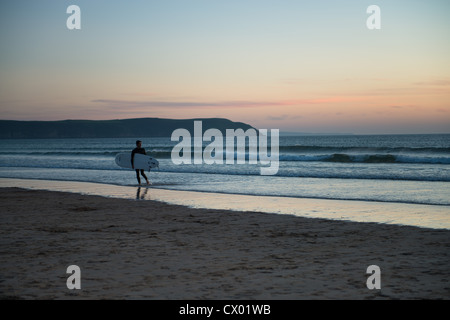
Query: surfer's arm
(132,158)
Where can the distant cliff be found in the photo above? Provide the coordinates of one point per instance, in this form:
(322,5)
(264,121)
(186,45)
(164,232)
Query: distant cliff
(128,128)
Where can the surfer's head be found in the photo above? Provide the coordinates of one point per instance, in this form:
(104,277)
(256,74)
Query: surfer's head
(138,143)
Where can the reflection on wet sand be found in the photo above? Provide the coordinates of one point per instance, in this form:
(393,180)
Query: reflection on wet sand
(142,195)
(427,216)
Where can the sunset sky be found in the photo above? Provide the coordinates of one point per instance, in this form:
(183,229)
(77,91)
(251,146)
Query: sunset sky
(295,65)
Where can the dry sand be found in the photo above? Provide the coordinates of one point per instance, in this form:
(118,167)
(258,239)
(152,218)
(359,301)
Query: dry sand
(130,249)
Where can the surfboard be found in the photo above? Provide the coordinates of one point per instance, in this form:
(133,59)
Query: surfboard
(141,161)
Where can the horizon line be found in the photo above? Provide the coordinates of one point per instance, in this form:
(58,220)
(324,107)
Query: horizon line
(282,132)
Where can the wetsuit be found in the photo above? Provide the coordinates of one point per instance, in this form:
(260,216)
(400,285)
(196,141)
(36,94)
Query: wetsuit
(141,151)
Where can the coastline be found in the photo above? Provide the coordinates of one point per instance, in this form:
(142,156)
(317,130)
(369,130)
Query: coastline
(129,249)
(397,213)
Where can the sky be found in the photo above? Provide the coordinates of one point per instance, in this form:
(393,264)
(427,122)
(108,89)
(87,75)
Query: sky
(293,65)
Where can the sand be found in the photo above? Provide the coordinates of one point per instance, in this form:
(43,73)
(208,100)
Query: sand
(130,249)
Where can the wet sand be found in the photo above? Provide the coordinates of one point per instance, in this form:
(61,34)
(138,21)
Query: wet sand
(129,249)
(417,215)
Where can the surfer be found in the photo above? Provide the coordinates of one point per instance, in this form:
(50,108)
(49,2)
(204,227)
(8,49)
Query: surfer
(140,150)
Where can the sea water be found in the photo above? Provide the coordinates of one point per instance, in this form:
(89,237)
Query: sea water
(387,168)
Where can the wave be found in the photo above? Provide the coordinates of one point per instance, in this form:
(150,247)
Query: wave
(367,158)
(253,171)
(334,149)
(61,153)
(330,157)
(341,158)
(157,154)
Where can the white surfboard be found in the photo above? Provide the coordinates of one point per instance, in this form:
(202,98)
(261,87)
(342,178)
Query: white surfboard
(141,161)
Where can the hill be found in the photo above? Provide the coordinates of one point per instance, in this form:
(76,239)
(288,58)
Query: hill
(125,128)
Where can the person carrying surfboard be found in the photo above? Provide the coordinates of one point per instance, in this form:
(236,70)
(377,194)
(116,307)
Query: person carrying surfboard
(140,150)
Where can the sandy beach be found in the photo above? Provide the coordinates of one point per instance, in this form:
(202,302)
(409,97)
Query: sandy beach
(128,249)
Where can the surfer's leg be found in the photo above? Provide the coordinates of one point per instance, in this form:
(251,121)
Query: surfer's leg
(138,177)
(143,174)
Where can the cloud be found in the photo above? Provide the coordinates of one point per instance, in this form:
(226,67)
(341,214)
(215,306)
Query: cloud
(283,117)
(118,104)
(184,104)
(441,82)
(278,118)
(410,106)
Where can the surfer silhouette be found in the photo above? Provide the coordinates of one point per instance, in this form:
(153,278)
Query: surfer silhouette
(140,150)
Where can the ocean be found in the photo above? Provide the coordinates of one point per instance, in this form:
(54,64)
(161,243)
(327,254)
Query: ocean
(397,179)
(413,169)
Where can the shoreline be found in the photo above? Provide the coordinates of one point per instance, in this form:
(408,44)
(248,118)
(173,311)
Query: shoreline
(396,213)
(130,249)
